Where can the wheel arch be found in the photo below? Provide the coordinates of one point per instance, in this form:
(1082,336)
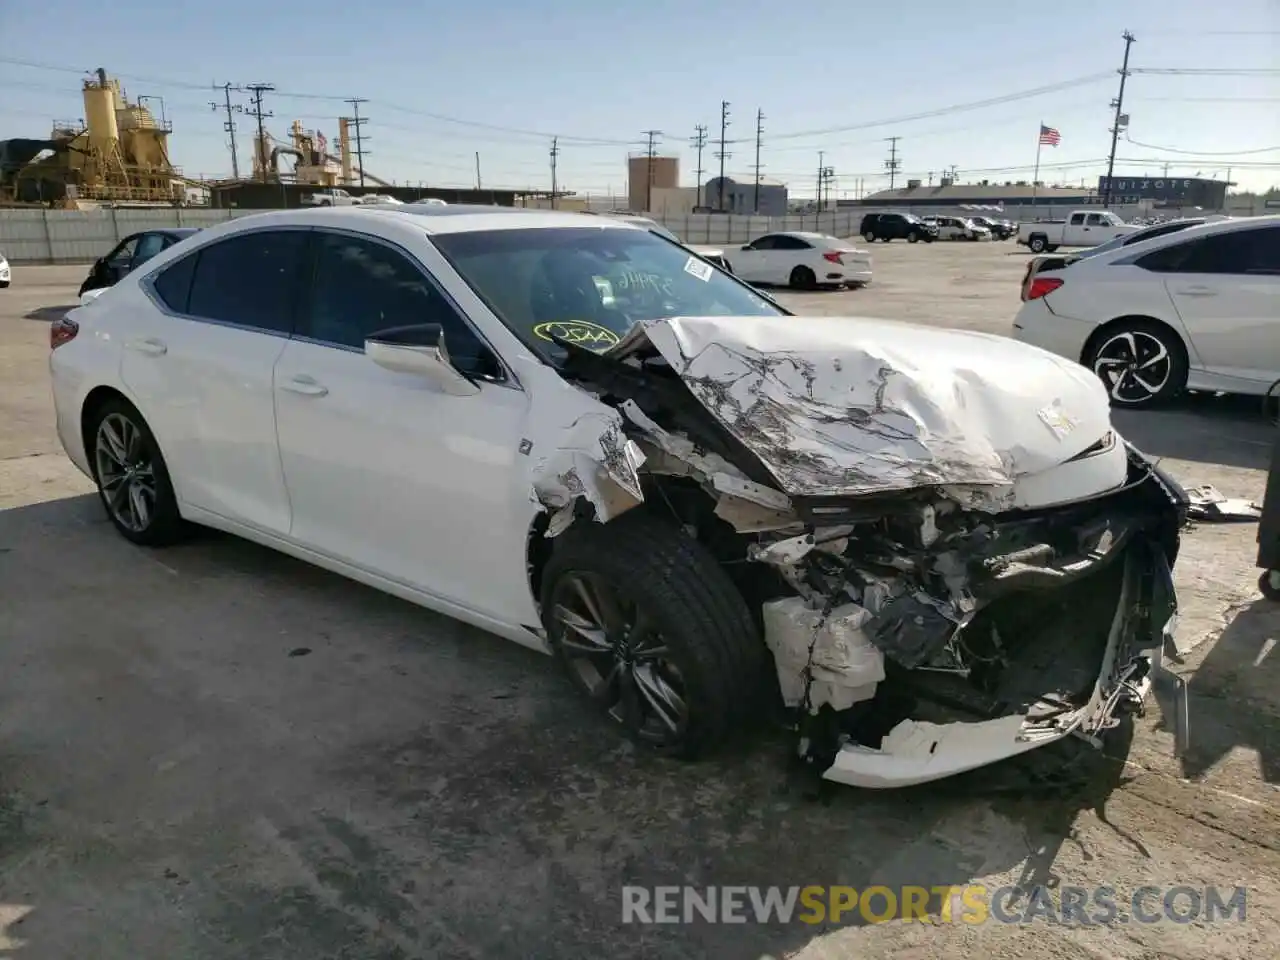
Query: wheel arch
(93,402)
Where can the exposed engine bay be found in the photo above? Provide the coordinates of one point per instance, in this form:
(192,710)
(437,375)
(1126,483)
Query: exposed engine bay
(921,627)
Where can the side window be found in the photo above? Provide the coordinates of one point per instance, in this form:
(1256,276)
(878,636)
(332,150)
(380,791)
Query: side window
(251,280)
(1077,219)
(121,255)
(148,246)
(791,243)
(765,243)
(1237,252)
(360,287)
(173,284)
(1096,220)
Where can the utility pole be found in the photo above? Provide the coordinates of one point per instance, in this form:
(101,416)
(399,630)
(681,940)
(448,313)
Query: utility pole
(358,121)
(477,169)
(722,154)
(893,164)
(230,124)
(1118,103)
(821,170)
(555,152)
(755,205)
(650,153)
(260,150)
(699,141)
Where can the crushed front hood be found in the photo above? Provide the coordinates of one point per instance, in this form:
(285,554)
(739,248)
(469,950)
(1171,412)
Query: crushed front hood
(846,406)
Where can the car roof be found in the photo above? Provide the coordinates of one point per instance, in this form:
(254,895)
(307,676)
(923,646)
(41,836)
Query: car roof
(1206,229)
(454,218)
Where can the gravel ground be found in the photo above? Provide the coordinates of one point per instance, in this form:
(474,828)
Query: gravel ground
(174,783)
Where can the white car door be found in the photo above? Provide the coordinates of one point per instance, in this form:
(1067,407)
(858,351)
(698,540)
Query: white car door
(1226,288)
(754,262)
(384,470)
(200,368)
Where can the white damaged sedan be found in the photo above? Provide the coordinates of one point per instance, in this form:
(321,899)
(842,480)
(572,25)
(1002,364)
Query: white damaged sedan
(930,546)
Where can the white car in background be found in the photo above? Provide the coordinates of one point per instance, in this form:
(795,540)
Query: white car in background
(379,200)
(958,228)
(5,274)
(704,506)
(431,202)
(802,260)
(1197,308)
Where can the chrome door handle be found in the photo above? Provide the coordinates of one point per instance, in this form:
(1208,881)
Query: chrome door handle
(150,346)
(306,386)
(1198,292)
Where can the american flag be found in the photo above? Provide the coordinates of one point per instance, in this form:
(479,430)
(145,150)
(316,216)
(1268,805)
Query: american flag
(1050,136)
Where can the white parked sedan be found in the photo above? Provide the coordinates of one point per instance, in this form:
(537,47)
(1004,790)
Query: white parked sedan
(5,274)
(802,260)
(580,437)
(1193,308)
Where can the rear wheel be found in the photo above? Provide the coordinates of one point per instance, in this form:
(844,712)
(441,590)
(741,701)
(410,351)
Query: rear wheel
(651,629)
(802,278)
(1140,362)
(1038,244)
(869,236)
(133,480)
(913,236)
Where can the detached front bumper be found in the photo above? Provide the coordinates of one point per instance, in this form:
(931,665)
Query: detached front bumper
(917,751)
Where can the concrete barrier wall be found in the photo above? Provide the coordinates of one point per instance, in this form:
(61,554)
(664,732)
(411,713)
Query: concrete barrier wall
(81,236)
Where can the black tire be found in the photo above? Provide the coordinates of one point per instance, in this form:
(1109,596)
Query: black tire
(163,524)
(1269,584)
(869,236)
(802,278)
(1110,354)
(700,620)
(1038,244)
(913,236)
(4,284)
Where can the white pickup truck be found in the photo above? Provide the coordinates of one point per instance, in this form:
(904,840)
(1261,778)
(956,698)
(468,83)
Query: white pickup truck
(330,197)
(1083,228)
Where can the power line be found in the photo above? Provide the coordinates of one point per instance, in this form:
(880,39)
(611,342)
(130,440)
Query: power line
(555,152)
(357,122)
(1207,71)
(722,154)
(1201,153)
(699,141)
(755,205)
(893,164)
(1118,103)
(260,148)
(652,136)
(230,124)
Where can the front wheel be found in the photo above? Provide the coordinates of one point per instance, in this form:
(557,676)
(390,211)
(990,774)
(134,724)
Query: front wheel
(1141,363)
(913,236)
(802,278)
(869,236)
(651,629)
(1038,244)
(133,480)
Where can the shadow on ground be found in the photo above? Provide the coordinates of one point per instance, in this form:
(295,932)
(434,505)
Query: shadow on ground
(214,751)
(1205,428)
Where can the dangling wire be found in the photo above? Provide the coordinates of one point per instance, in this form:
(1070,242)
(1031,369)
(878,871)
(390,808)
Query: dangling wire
(1273,393)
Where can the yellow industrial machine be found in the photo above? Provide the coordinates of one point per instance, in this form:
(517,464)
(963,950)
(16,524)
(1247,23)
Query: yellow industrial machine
(314,165)
(118,152)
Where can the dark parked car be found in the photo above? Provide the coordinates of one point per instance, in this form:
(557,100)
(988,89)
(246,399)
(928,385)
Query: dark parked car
(130,253)
(896,226)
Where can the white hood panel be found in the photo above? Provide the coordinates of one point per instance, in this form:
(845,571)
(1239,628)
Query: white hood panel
(850,406)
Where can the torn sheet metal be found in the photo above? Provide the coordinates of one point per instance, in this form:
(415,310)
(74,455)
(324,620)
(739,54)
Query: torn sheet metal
(851,406)
(822,658)
(1210,505)
(590,459)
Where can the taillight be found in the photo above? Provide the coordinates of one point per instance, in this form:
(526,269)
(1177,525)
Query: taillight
(1042,287)
(832,256)
(62,331)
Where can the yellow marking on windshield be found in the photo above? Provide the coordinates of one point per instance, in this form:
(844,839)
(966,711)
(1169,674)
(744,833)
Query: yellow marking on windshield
(582,333)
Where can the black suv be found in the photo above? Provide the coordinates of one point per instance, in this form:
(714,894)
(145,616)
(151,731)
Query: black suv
(896,226)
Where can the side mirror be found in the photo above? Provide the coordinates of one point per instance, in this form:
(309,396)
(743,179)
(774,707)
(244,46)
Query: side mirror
(747,247)
(420,350)
(89,296)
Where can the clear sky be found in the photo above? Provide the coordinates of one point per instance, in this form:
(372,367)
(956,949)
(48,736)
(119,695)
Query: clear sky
(444,80)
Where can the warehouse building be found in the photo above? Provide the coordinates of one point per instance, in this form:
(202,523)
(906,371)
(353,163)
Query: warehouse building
(740,196)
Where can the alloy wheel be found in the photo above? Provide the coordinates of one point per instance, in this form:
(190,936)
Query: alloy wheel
(1134,366)
(617,653)
(126,472)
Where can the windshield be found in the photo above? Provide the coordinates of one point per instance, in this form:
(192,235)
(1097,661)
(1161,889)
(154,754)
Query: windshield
(589,285)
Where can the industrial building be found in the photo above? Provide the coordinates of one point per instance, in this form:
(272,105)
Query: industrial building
(645,172)
(947,193)
(769,198)
(118,152)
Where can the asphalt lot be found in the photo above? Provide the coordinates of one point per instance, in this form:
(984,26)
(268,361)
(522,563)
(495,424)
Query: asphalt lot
(177,779)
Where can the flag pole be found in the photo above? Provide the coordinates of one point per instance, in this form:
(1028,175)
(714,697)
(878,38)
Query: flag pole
(1035,177)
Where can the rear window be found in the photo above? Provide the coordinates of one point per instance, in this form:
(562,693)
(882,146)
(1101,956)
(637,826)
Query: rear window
(590,285)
